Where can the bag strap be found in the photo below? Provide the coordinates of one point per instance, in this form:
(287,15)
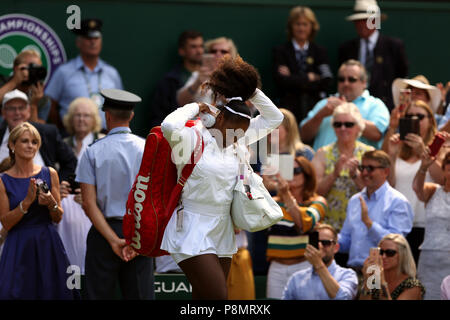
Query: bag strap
(195,157)
(187,170)
(241,156)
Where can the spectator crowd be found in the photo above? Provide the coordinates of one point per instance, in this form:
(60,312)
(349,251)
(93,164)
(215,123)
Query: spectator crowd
(370,171)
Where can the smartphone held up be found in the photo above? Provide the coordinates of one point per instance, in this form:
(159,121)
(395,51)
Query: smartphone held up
(408,125)
(436,145)
(314,239)
(208,61)
(405,99)
(374,253)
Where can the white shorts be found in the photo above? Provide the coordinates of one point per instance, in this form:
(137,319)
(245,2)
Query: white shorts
(178,257)
(204,229)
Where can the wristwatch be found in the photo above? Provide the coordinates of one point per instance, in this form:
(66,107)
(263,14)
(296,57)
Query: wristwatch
(55,207)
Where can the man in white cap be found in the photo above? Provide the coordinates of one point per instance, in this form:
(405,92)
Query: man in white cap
(384,57)
(16,110)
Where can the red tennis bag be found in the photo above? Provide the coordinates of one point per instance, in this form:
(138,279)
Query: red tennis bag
(155,193)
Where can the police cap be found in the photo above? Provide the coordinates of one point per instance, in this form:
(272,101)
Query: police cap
(119,99)
(90,28)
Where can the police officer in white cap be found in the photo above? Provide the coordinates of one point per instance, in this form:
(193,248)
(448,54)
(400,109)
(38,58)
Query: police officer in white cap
(106,172)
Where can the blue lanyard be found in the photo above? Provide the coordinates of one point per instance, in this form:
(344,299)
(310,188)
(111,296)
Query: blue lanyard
(119,132)
(88,84)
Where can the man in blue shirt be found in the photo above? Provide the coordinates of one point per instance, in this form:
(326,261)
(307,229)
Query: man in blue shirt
(374,212)
(325,280)
(352,82)
(106,174)
(84,76)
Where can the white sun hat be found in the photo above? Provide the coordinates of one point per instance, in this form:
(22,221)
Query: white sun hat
(365,9)
(419,82)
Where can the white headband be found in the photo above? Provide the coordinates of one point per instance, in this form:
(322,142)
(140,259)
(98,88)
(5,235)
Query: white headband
(234,98)
(238,113)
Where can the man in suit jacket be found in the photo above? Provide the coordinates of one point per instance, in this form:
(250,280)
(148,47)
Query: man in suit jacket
(300,66)
(53,151)
(384,57)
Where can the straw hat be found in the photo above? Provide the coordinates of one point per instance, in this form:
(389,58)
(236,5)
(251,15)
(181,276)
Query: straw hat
(417,82)
(365,9)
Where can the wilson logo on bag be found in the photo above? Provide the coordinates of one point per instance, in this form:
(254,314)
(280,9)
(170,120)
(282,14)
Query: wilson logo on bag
(155,193)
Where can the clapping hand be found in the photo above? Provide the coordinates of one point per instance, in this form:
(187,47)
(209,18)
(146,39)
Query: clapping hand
(31,193)
(346,162)
(365,213)
(332,103)
(352,166)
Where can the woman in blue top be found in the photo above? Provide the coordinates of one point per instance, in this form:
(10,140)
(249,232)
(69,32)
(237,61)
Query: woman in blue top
(33,263)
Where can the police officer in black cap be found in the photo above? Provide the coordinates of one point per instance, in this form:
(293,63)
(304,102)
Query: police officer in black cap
(84,76)
(106,172)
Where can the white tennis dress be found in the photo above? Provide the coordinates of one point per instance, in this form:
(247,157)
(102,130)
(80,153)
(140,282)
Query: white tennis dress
(205,225)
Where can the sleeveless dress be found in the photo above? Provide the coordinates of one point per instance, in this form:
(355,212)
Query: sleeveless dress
(404,177)
(408,283)
(34,262)
(434,261)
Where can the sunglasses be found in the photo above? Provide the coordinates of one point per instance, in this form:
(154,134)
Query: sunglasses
(327,243)
(298,170)
(418,115)
(221,51)
(347,124)
(349,79)
(389,253)
(369,168)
